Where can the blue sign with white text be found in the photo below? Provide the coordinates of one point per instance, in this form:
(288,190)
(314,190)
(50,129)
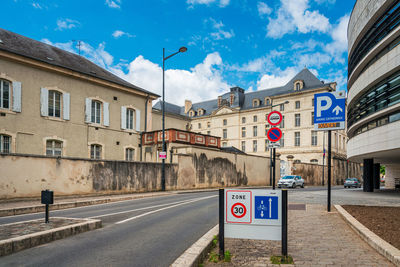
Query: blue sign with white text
(329,107)
(266,207)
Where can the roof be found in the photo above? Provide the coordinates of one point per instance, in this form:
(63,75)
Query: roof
(244,101)
(27,47)
(232,149)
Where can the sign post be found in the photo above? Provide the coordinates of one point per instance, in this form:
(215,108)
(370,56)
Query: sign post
(274,135)
(329,114)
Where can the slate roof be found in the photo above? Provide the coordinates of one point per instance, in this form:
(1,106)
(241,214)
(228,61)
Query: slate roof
(244,101)
(24,46)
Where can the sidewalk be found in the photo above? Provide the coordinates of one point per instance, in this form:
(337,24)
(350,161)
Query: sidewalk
(315,238)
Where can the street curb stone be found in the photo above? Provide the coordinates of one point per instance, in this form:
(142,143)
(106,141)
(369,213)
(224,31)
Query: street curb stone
(194,255)
(12,245)
(380,245)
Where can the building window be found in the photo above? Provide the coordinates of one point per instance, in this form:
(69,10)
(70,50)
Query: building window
(267,102)
(224,144)
(243,131)
(335,140)
(130,115)
(199,125)
(95,151)
(282,107)
(129,154)
(244,146)
(96,111)
(208,124)
(297,138)
(191,113)
(225,122)
(256,103)
(314,138)
(54,104)
(266,145)
(254,131)
(209,132)
(312,118)
(314,161)
(224,133)
(53,148)
(296,161)
(5,143)
(282,140)
(254,145)
(282,124)
(243,119)
(297,104)
(297,86)
(255,118)
(297,120)
(4,94)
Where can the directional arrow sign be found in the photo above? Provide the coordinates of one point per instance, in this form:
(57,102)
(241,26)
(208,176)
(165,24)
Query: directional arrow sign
(329,110)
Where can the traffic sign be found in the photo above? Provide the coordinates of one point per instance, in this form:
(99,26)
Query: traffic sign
(266,207)
(274,118)
(329,107)
(238,206)
(274,134)
(162,155)
(274,145)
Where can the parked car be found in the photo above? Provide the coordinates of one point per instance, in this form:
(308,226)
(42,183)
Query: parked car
(352,182)
(291,181)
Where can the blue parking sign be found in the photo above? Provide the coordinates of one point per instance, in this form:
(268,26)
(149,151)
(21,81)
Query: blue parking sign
(329,107)
(266,207)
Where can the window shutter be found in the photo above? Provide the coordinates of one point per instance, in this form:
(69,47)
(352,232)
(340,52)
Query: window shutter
(123,117)
(106,114)
(137,120)
(88,110)
(44,102)
(16,97)
(66,101)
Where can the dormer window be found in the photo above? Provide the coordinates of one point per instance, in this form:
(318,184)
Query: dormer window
(267,101)
(256,103)
(201,111)
(298,85)
(191,113)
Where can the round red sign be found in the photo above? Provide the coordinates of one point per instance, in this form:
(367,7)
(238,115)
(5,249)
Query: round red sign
(238,210)
(274,118)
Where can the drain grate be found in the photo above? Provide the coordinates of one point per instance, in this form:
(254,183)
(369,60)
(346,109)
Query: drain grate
(297,207)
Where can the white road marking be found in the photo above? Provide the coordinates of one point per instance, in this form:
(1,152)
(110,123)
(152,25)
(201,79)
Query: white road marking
(165,208)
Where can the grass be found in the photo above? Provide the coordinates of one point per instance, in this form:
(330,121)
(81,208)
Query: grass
(214,257)
(281,259)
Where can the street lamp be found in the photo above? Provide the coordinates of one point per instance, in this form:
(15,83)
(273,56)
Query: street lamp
(181,50)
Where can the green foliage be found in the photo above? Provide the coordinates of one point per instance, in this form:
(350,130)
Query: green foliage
(227,256)
(383,170)
(214,241)
(214,257)
(201,265)
(281,259)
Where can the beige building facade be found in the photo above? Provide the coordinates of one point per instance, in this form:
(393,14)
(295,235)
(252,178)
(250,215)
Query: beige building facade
(56,103)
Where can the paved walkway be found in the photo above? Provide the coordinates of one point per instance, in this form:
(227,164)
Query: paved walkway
(315,238)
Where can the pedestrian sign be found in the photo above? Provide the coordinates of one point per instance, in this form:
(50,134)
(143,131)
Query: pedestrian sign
(266,207)
(329,110)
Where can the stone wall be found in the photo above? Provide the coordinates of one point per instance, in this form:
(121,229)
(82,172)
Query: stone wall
(312,173)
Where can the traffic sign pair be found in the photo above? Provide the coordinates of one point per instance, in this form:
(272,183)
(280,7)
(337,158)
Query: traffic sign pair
(274,134)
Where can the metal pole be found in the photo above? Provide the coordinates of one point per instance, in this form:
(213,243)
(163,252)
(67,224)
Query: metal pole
(323,160)
(47,213)
(274,171)
(221,223)
(284,221)
(270,166)
(329,168)
(163,123)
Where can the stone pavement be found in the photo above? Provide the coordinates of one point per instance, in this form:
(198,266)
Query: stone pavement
(315,238)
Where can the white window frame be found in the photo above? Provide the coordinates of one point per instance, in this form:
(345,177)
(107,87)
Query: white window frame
(2,94)
(255,131)
(314,138)
(129,154)
(297,139)
(130,118)
(96,149)
(52,100)
(244,146)
(53,148)
(243,131)
(96,116)
(224,133)
(3,143)
(254,145)
(297,120)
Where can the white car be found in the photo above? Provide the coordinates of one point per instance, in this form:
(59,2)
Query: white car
(291,181)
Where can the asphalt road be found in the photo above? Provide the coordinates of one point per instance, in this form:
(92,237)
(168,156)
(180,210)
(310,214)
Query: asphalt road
(142,232)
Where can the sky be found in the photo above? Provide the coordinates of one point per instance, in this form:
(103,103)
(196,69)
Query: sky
(247,43)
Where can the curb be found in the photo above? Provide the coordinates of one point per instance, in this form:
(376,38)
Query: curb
(68,205)
(194,255)
(380,245)
(12,245)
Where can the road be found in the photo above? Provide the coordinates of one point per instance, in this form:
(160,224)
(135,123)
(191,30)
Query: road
(142,232)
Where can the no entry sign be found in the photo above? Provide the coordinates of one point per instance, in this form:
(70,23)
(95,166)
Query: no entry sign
(274,134)
(238,206)
(274,118)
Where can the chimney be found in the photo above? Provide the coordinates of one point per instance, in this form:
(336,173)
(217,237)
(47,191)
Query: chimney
(231,99)
(188,105)
(219,101)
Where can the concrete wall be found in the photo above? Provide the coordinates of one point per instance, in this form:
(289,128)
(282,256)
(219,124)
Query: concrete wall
(312,173)
(171,121)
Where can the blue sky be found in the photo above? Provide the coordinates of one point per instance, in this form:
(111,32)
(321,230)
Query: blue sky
(251,44)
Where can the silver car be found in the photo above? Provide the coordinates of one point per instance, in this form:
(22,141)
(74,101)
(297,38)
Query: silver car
(291,181)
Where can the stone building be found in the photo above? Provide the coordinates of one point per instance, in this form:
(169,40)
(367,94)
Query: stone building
(373,110)
(240,119)
(57,103)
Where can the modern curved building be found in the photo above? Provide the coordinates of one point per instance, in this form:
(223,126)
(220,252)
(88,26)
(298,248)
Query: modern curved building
(373,110)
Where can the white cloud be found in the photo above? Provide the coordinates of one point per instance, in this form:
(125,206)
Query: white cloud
(221,3)
(119,33)
(260,64)
(329,2)
(220,34)
(339,37)
(37,5)
(63,24)
(275,80)
(314,59)
(263,9)
(113,3)
(294,16)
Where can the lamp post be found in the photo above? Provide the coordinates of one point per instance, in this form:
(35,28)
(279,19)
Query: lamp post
(181,50)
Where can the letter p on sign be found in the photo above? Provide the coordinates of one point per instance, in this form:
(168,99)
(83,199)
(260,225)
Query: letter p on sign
(320,107)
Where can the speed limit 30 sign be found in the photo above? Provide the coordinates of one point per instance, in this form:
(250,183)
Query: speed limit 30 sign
(238,206)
